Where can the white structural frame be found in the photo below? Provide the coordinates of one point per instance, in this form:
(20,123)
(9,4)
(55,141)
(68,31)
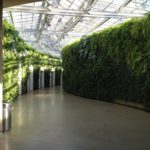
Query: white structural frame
(52,24)
(71,12)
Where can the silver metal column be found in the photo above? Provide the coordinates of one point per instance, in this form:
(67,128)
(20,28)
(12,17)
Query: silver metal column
(50,82)
(31,78)
(20,79)
(42,74)
(61,77)
(54,77)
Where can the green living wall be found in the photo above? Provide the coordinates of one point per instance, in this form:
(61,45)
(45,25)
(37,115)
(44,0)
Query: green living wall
(16,52)
(111,64)
(10,76)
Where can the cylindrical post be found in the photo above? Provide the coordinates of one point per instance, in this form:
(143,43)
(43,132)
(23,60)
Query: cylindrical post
(20,79)
(1,74)
(39,79)
(6,116)
(53,82)
(50,79)
(31,78)
(61,77)
(42,77)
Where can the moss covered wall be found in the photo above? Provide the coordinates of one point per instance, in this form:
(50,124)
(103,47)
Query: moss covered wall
(15,52)
(111,64)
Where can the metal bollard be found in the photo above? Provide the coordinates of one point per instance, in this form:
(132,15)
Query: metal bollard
(6,116)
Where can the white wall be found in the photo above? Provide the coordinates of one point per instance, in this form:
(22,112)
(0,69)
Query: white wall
(61,77)
(31,78)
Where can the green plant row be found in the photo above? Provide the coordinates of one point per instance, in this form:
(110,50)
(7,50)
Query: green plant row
(16,52)
(111,64)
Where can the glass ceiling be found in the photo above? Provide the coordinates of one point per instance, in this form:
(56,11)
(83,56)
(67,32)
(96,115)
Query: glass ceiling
(51,24)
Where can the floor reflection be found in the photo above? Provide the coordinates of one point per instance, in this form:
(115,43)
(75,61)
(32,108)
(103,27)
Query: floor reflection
(51,119)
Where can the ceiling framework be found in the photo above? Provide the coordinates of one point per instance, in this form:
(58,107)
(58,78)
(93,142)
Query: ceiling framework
(51,24)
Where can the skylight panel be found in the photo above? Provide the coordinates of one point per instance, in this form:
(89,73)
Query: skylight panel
(26,18)
(118,2)
(36,16)
(77,2)
(134,5)
(139,11)
(16,15)
(111,8)
(6,14)
(147,2)
(18,25)
(65,19)
(64,3)
(29,4)
(145,6)
(139,1)
(111,21)
(66,28)
(127,9)
(98,7)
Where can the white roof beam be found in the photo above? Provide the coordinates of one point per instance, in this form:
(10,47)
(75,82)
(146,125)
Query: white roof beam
(67,12)
(106,19)
(85,7)
(74,20)
(40,24)
(49,32)
(42,27)
(106,15)
(11,17)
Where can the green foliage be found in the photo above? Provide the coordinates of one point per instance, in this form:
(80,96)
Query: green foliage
(16,52)
(10,73)
(111,64)
(25,74)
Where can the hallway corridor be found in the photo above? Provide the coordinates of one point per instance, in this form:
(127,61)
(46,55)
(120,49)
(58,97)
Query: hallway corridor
(51,119)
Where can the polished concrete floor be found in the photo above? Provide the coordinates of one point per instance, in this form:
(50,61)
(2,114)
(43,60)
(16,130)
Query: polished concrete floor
(52,119)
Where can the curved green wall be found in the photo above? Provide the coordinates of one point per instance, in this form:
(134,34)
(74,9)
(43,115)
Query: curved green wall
(15,52)
(111,64)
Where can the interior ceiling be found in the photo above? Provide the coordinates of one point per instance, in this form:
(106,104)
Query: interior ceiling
(50,24)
